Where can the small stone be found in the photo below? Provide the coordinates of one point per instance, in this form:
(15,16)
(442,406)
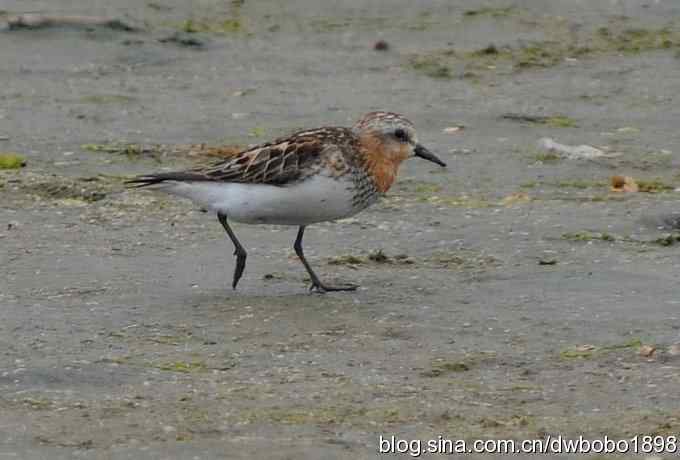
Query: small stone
(585,348)
(490,49)
(573,152)
(623,184)
(462,151)
(547,262)
(183,39)
(647,351)
(381,45)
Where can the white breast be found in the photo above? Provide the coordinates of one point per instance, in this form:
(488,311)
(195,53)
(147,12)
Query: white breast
(316,199)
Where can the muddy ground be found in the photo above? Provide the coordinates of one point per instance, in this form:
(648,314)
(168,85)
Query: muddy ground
(512,295)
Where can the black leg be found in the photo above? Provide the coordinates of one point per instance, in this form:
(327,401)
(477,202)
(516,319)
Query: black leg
(316,282)
(239,252)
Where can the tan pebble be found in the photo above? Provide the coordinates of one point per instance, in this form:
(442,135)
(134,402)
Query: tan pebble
(647,351)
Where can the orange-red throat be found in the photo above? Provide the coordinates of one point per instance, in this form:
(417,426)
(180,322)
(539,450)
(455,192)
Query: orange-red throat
(381,159)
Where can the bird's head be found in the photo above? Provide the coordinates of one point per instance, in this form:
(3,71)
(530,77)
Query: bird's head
(393,136)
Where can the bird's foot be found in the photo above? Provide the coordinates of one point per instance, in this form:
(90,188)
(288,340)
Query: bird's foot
(319,287)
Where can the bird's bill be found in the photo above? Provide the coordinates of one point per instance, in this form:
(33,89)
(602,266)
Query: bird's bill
(422,152)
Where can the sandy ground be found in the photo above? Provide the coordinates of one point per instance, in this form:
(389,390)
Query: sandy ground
(518,294)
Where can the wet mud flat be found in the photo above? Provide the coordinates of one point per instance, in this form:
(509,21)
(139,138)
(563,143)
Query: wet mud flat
(518,293)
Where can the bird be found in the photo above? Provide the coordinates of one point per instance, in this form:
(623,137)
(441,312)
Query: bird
(310,176)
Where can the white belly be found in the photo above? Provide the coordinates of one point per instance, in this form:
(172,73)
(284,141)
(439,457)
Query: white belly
(316,199)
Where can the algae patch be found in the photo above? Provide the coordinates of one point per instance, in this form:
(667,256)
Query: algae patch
(184,367)
(560,121)
(579,184)
(441,366)
(131,150)
(10,160)
(668,240)
(257,131)
(375,257)
(38,403)
(592,351)
(546,157)
(589,236)
(218,27)
(562,45)
(555,121)
(654,186)
(430,66)
(464,259)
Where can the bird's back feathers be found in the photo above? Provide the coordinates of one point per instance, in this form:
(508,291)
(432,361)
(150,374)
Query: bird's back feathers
(281,162)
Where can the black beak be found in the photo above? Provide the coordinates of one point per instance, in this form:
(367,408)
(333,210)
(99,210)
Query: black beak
(422,152)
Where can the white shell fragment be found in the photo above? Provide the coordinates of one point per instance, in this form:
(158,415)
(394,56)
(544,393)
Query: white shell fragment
(573,152)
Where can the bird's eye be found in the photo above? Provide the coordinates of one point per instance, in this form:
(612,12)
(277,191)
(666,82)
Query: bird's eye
(401,135)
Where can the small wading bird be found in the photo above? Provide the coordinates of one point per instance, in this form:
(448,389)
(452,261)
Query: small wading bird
(311,176)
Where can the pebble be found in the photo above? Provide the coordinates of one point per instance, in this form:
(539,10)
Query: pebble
(381,45)
(573,152)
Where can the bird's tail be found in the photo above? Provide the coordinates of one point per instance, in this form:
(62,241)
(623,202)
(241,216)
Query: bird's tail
(156,179)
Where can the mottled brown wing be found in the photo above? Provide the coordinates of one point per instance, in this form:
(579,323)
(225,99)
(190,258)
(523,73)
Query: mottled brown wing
(277,163)
(274,164)
(281,162)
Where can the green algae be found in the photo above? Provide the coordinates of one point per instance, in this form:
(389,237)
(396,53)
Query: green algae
(591,351)
(9,160)
(588,236)
(431,66)
(562,45)
(185,367)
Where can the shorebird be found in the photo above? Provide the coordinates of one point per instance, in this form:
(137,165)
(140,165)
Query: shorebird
(308,177)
